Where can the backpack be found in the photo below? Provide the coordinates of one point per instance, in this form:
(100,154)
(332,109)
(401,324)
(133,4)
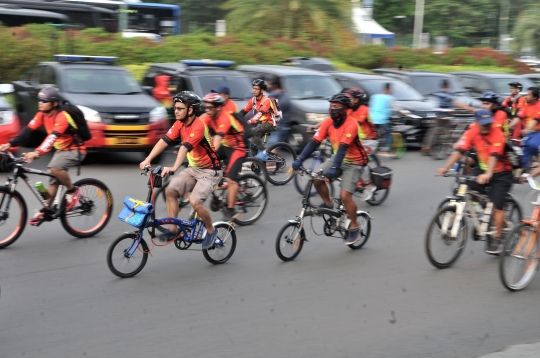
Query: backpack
(274,108)
(81,127)
(514,154)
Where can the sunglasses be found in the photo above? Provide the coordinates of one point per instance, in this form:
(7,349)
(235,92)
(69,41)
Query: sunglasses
(43,101)
(179,108)
(209,108)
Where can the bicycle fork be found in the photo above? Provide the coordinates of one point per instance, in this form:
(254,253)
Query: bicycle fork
(460,206)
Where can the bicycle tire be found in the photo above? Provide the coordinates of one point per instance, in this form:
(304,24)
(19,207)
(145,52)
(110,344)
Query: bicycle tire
(281,164)
(224,239)
(516,241)
(365,230)
(293,241)
(461,240)
(8,236)
(257,168)
(399,145)
(440,144)
(313,164)
(87,204)
(245,183)
(142,254)
(379,197)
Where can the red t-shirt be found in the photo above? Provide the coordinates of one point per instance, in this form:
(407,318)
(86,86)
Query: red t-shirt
(262,109)
(56,126)
(230,106)
(230,129)
(516,105)
(531,112)
(500,120)
(486,146)
(196,138)
(367,128)
(347,134)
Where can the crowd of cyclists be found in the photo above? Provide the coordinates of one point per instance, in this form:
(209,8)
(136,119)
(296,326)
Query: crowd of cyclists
(352,129)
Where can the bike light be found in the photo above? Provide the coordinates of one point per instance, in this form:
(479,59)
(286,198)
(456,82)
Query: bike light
(89,114)
(158,114)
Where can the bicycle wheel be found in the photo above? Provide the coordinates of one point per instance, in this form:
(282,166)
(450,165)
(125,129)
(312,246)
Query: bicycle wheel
(364,223)
(514,214)
(93,211)
(290,241)
(12,221)
(120,262)
(279,163)
(378,197)
(251,200)
(254,166)
(224,245)
(519,258)
(440,144)
(312,163)
(451,248)
(399,145)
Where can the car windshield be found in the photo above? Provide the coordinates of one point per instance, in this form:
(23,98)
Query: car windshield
(400,91)
(427,85)
(310,87)
(99,81)
(501,84)
(239,86)
(536,81)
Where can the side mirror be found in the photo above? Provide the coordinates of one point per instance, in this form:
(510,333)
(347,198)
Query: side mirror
(148,90)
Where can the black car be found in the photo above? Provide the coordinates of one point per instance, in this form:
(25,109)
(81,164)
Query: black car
(428,83)
(478,83)
(120,115)
(309,92)
(423,110)
(201,76)
(314,63)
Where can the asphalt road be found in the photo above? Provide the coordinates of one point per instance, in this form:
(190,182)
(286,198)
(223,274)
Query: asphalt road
(59,299)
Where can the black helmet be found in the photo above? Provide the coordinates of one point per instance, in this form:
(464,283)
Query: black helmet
(517,85)
(49,93)
(260,83)
(190,99)
(356,92)
(341,98)
(490,97)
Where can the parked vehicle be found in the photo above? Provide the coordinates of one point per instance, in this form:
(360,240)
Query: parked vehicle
(478,83)
(533,77)
(120,115)
(9,121)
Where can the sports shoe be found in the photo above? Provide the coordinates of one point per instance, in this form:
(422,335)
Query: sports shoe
(262,155)
(209,240)
(368,193)
(324,206)
(72,199)
(353,236)
(166,236)
(229,214)
(494,246)
(38,218)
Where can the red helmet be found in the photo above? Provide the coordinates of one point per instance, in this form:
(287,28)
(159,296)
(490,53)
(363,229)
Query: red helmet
(355,92)
(214,98)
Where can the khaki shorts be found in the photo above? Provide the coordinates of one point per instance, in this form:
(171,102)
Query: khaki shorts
(350,174)
(63,160)
(200,182)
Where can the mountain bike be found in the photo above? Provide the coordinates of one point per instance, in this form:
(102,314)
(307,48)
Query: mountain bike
(448,229)
(86,219)
(128,254)
(291,237)
(520,259)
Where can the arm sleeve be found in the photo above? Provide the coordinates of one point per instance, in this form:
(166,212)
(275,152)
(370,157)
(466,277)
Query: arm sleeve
(21,137)
(338,158)
(308,149)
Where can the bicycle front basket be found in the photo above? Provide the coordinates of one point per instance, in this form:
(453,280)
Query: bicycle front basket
(135,212)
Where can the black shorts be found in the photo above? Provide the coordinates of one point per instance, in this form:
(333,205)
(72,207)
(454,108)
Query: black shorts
(233,160)
(499,187)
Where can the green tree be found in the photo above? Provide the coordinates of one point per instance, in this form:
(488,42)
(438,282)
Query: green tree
(527,30)
(305,19)
(201,13)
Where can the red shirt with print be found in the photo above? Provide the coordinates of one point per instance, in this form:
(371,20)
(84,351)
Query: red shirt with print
(261,108)
(230,130)
(529,113)
(347,134)
(500,120)
(57,126)
(516,105)
(196,138)
(367,128)
(486,146)
(230,106)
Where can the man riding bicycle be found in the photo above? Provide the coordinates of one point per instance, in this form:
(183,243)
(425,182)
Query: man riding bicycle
(530,114)
(261,105)
(493,168)
(349,158)
(70,149)
(204,170)
(229,135)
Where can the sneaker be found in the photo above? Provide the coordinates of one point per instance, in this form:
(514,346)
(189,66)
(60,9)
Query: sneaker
(38,218)
(72,199)
(262,155)
(209,240)
(229,214)
(494,246)
(353,236)
(368,193)
(324,206)
(166,236)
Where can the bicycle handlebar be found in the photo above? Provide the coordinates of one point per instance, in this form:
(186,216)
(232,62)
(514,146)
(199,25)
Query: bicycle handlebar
(311,173)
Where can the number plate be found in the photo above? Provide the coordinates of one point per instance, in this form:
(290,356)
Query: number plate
(462,189)
(127,141)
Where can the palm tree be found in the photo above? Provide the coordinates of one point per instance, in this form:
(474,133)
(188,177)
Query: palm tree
(527,30)
(304,19)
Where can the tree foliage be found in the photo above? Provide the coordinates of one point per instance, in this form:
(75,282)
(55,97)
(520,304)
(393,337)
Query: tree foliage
(527,30)
(201,12)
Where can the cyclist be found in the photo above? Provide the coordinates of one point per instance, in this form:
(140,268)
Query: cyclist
(531,115)
(501,115)
(493,167)
(380,109)
(515,101)
(70,150)
(229,106)
(261,106)
(203,172)
(229,136)
(349,158)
